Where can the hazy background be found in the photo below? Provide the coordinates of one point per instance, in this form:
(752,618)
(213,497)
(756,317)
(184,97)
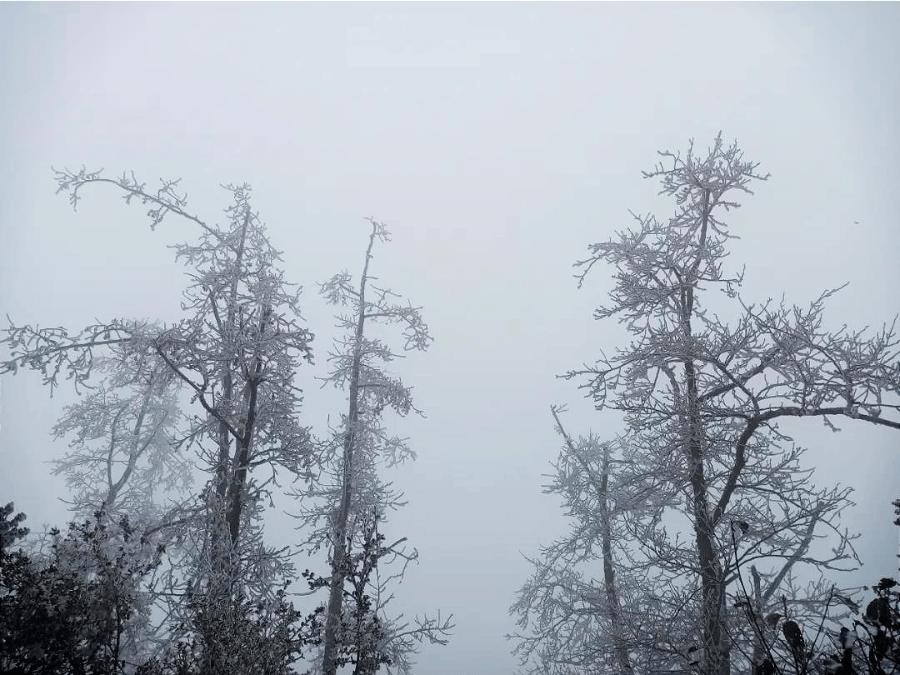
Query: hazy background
(497,141)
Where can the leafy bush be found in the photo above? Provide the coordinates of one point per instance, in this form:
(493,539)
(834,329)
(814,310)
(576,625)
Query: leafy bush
(78,609)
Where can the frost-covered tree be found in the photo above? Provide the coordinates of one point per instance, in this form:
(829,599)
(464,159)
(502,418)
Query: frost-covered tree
(636,616)
(704,478)
(124,459)
(338,509)
(235,352)
(123,455)
(559,603)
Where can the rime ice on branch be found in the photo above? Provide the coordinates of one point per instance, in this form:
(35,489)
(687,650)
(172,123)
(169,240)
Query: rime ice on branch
(346,508)
(235,351)
(701,399)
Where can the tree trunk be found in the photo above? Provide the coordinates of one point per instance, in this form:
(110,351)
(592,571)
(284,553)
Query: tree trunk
(609,574)
(716,652)
(222,548)
(339,551)
(716,658)
(241,462)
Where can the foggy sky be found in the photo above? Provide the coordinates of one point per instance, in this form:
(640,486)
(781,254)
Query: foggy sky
(496,141)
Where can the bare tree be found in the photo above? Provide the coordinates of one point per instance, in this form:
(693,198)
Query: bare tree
(124,460)
(559,603)
(123,456)
(235,353)
(701,399)
(338,509)
(640,615)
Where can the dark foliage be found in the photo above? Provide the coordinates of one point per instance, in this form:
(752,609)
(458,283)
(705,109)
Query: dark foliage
(870,646)
(361,632)
(72,611)
(236,635)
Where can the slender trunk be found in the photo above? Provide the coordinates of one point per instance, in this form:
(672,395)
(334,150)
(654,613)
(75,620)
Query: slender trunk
(112,490)
(758,625)
(222,548)
(609,574)
(716,652)
(339,551)
(136,449)
(241,462)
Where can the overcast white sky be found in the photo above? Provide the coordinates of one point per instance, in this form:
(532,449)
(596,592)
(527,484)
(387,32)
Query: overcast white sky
(497,141)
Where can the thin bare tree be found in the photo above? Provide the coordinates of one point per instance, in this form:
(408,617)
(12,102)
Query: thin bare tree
(337,511)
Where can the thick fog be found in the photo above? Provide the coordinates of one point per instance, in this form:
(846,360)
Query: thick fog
(496,141)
